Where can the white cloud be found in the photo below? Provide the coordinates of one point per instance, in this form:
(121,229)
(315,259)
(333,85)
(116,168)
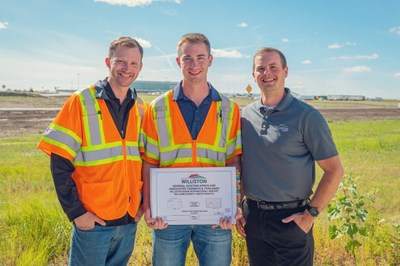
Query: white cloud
(49,72)
(285,40)
(3,25)
(397,75)
(358,57)
(335,46)
(228,53)
(395,30)
(144,43)
(338,46)
(350,44)
(306,62)
(135,3)
(169,12)
(242,25)
(357,69)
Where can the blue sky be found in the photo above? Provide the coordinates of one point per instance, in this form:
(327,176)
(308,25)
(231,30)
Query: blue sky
(332,47)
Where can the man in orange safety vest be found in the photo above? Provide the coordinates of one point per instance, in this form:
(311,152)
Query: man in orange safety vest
(95,160)
(192,125)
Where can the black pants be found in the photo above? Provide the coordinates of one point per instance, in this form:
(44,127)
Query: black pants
(272,242)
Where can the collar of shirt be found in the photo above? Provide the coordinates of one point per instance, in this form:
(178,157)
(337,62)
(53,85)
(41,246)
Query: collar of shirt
(104,91)
(283,104)
(178,93)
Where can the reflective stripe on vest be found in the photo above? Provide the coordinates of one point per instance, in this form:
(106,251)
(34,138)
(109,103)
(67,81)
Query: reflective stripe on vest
(62,137)
(164,127)
(140,106)
(225,114)
(92,117)
(132,151)
(171,153)
(89,157)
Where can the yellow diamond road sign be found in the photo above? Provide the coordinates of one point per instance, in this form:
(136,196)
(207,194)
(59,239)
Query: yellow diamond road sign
(249,88)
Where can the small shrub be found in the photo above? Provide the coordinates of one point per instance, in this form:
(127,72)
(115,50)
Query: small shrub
(348,213)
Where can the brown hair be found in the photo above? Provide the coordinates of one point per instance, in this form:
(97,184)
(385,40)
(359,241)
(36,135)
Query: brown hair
(270,50)
(194,38)
(126,42)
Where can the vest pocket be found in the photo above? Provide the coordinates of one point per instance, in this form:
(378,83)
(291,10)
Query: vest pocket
(99,198)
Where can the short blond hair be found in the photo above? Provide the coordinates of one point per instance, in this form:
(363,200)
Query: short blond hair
(126,42)
(194,38)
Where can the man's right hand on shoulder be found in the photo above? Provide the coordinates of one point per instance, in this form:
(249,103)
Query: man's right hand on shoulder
(87,221)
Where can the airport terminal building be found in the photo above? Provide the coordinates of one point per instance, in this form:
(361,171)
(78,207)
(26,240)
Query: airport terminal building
(153,86)
(143,86)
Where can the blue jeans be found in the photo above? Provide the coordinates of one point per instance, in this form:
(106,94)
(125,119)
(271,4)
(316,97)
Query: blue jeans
(212,246)
(111,245)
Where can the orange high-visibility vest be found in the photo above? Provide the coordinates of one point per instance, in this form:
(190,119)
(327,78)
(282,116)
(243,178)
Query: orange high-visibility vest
(166,140)
(107,168)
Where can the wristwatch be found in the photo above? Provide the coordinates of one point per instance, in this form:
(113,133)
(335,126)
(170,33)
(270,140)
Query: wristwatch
(312,210)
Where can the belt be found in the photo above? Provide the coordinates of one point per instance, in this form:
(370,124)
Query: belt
(272,206)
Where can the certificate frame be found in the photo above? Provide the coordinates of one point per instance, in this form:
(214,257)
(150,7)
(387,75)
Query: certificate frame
(200,195)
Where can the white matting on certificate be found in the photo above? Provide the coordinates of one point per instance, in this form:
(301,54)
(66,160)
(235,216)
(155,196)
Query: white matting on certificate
(193,195)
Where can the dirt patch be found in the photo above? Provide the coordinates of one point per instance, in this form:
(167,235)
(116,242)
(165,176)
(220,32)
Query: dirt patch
(361,113)
(18,123)
(22,122)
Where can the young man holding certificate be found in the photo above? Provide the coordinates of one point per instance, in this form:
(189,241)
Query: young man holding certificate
(192,125)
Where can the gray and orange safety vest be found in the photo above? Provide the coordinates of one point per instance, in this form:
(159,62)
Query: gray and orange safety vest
(166,140)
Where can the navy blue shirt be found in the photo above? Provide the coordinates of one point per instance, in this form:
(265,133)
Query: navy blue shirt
(119,111)
(194,116)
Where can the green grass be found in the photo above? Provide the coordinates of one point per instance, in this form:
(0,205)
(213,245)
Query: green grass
(33,227)
(35,231)
(371,150)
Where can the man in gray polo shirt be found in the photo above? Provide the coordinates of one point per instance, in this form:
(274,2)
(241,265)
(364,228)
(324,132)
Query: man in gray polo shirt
(282,139)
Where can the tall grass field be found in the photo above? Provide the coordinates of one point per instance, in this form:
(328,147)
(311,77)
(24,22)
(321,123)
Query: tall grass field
(35,231)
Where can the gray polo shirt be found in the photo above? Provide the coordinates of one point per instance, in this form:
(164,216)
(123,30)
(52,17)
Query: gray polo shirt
(280,147)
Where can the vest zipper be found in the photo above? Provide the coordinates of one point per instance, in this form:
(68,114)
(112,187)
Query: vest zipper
(194,152)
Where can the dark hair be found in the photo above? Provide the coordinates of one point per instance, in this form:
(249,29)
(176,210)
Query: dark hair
(270,50)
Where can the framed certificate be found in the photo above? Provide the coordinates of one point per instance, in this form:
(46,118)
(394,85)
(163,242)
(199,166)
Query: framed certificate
(193,195)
